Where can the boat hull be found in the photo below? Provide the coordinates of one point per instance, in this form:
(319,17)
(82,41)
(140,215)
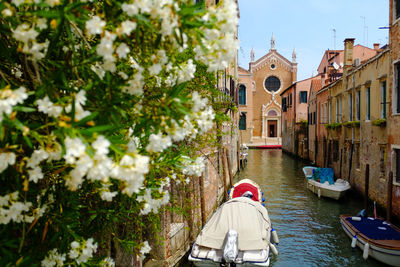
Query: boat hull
(377,249)
(326,190)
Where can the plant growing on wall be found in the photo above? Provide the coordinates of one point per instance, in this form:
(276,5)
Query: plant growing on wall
(350,124)
(333,126)
(100,105)
(379,122)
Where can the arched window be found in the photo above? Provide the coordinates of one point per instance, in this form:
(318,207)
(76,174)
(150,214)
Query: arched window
(272,113)
(242,94)
(242,121)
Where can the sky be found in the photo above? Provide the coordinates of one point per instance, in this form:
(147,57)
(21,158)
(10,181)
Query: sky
(307,26)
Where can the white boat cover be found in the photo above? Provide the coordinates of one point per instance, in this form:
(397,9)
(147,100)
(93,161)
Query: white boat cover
(249,218)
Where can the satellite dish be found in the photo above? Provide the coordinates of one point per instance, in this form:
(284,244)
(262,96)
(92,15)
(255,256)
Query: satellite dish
(335,65)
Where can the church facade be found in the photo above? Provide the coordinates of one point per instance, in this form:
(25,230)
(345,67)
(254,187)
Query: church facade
(259,96)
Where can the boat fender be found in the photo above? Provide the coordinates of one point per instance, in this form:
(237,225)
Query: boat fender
(273,248)
(354,241)
(229,192)
(263,199)
(263,204)
(366,250)
(275,238)
(262,193)
(319,193)
(356,219)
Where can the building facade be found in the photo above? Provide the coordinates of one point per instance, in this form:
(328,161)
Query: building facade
(261,84)
(393,122)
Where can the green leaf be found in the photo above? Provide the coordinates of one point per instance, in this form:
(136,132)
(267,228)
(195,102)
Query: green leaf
(95,129)
(24,109)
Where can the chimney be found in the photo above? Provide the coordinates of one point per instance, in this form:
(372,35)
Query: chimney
(376,46)
(348,53)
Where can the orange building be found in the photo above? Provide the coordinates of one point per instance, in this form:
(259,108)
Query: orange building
(259,99)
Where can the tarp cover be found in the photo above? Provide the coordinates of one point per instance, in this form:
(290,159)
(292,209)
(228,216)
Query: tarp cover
(249,218)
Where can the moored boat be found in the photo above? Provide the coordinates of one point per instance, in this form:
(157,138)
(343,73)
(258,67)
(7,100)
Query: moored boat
(377,238)
(239,232)
(320,181)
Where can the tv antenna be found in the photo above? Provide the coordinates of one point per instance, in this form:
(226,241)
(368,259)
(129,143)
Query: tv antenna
(365,31)
(334,39)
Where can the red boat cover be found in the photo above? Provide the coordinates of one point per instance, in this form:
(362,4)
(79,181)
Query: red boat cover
(240,189)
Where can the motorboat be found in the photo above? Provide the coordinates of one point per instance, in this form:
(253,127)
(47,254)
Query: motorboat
(321,183)
(376,237)
(239,233)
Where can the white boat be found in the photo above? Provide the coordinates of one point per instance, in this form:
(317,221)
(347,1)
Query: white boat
(238,233)
(377,238)
(321,183)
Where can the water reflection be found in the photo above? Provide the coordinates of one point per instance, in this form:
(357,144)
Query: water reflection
(309,228)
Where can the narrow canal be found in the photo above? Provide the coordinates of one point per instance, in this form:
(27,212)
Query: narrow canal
(309,229)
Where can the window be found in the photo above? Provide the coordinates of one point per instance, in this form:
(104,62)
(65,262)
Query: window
(290,100)
(397,86)
(358,105)
(303,96)
(396,164)
(242,94)
(396,7)
(350,107)
(242,121)
(357,155)
(329,112)
(338,110)
(382,159)
(284,104)
(383,99)
(368,103)
(272,84)
(216,2)
(335,150)
(314,113)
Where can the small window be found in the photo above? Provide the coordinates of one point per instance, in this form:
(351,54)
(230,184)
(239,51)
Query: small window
(397,165)
(303,96)
(242,94)
(290,99)
(242,121)
(397,8)
(382,159)
(350,107)
(397,86)
(314,113)
(358,105)
(368,103)
(383,100)
(284,104)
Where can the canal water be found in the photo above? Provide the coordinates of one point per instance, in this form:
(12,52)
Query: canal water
(309,228)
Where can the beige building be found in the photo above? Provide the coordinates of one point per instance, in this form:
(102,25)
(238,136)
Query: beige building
(356,132)
(259,95)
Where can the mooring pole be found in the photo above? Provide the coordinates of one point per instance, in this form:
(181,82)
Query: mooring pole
(366,187)
(389,197)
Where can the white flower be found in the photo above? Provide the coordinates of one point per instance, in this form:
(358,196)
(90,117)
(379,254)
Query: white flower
(191,168)
(42,23)
(53,3)
(101,145)
(6,159)
(54,259)
(135,85)
(158,143)
(95,25)
(155,69)
(108,196)
(24,33)
(74,148)
(47,107)
(130,9)
(35,174)
(36,157)
(17,2)
(127,27)
(99,70)
(6,12)
(145,248)
(123,50)
(82,252)
(198,102)
(107,262)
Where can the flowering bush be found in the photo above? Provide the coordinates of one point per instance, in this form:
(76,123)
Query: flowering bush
(100,104)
